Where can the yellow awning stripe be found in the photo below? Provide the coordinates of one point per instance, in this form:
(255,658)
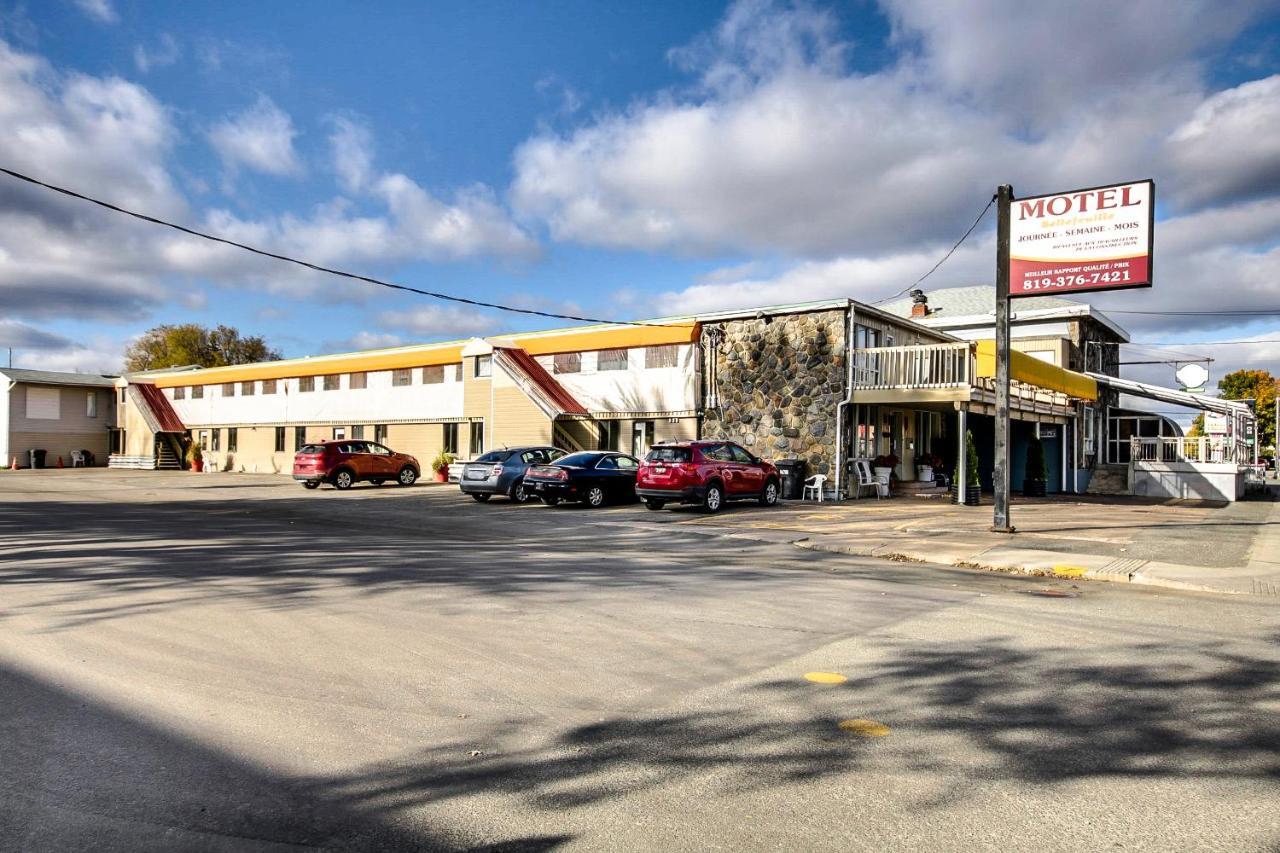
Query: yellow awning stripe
(1032,371)
(534,343)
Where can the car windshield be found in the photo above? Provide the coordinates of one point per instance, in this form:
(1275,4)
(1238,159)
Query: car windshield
(311,448)
(495,456)
(669,454)
(579,460)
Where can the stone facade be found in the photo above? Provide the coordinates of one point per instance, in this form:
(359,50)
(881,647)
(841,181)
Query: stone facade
(778,385)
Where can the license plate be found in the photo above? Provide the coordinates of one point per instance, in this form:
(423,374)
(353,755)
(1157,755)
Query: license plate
(476,475)
(539,486)
(659,470)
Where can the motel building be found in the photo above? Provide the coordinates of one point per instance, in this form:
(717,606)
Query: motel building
(828,383)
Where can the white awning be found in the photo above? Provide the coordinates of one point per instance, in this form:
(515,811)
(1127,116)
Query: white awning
(1172,395)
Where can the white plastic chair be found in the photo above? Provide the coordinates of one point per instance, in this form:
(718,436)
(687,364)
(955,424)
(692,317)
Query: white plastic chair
(866,480)
(78,460)
(814,484)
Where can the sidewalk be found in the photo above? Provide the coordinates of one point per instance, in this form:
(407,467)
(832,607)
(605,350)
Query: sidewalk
(1222,548)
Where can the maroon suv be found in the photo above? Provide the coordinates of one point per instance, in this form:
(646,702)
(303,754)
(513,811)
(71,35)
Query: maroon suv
(343,462)
(706,473)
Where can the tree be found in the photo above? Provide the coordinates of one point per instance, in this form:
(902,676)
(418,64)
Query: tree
(1260,386)
(190,343)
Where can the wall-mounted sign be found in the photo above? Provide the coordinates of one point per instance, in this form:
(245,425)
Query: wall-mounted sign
(1215,424)
(1192,377)
(1092,239)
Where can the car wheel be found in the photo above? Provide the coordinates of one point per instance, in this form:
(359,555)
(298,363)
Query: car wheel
(518,494)
(595,497)
(478,497)
(312,484)
(769,497)
(714,498)
(654,503)
(344,480)
(550,500)
(407,477)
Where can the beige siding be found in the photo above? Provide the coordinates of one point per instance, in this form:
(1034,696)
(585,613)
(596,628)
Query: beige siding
(1060,347)
(904,332)
(57,444)
(422,441)
(139,440)
(475,392)
(516,419)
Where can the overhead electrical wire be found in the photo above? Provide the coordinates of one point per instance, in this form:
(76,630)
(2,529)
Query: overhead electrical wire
(317,267)
(944,258)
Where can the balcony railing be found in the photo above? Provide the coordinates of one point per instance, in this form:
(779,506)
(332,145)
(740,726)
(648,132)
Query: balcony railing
(1203,448)
(924,366)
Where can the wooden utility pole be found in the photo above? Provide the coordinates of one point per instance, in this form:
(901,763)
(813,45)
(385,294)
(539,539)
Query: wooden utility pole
(1004,200)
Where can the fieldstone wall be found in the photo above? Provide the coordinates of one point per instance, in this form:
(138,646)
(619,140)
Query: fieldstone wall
(779,384)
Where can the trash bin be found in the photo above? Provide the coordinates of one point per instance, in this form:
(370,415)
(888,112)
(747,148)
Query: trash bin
(792,471)
(37,458)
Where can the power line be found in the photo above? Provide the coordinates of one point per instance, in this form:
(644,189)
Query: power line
(949,253)
(317,267)
(1251,313)
(1204,343)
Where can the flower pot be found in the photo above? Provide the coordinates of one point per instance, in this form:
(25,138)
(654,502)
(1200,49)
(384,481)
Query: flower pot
(884,474)
(924,473)
(442,476)
(1034,488)
(972,495)
(197,465)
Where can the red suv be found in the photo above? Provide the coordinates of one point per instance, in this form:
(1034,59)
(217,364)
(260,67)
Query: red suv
(706,473)
(343,462)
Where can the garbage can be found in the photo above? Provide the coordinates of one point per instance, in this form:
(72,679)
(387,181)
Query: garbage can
(792,471)
(37,458)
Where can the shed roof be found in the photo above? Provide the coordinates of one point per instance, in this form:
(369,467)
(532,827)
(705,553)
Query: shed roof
(50,377)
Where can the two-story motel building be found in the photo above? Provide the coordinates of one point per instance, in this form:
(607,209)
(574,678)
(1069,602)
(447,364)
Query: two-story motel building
(777,379)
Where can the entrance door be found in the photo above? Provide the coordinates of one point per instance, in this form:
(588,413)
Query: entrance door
(641,438)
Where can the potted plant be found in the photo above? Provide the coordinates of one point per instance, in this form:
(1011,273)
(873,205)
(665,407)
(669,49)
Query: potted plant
(195,457)
(1037,475)
(440,465)
(884,466)
(925,463)
(973,486)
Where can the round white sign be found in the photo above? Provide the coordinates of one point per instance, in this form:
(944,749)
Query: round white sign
(1192,375)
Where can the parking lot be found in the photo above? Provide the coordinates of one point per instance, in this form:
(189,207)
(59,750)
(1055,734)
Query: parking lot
(229,662)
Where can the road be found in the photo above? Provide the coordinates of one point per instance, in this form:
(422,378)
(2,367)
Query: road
(231,663)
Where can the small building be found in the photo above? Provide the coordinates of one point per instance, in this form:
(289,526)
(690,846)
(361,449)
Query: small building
(59,413)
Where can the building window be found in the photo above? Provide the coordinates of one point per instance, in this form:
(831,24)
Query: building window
(339,433)
(484,366)
(123,400)
(357,381)
(433,375)
(268,386)
(401,377)
(332,382)
(299,437)
(307,383)
(279,439)
(215,439)
(357,431)
(450,443)
(567,362)
(663,356)
(197,392)
(611,359)
(228,389)
(233,436)
(91,405)
(380,433)
(179,393)
(247,389)
(477,438)
(610,434)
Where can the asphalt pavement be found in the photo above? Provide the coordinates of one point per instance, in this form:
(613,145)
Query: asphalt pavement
(228,662)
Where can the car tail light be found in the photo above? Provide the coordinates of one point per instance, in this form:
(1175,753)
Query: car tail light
(497,469)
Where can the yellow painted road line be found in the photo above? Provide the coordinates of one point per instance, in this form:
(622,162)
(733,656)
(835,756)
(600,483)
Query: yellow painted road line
(864,728)
(825,677)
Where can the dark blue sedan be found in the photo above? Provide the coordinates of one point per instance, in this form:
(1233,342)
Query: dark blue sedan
(593,478)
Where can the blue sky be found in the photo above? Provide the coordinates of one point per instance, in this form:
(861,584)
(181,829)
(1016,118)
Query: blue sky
(615,159)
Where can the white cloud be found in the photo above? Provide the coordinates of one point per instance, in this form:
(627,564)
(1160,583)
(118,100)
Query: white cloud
(102,354)
(362,340)
(166,52)
(259,138)
(100,10)
(436,321)
(352,146)
(1228,148)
